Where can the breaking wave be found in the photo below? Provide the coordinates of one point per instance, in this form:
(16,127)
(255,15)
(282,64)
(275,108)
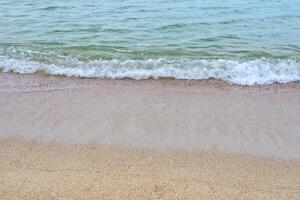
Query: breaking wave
(249,72)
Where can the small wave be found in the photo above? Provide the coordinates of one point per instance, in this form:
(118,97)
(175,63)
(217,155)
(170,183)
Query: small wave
(172,27)
(251,72)
(50,8)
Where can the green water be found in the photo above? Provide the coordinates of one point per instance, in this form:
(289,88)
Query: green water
(141,39)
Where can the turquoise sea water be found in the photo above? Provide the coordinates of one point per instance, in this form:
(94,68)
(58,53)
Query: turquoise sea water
(240,41)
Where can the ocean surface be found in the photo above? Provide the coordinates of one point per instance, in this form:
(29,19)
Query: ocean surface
(244,42)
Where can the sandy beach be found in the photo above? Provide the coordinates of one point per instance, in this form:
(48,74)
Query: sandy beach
(32,170)
(72,138)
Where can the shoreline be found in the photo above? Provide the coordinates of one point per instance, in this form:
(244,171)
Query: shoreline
(159,114)
(70,138)
(258,71)
(190,82)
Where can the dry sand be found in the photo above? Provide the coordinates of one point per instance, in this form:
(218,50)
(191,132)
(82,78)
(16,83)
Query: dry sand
(68,138)
(31,170)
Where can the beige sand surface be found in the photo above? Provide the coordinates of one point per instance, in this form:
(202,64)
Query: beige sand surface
(31,170)
(166,139)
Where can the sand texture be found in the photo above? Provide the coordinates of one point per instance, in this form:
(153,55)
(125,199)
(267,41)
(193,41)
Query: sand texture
(31,170)
(71,138)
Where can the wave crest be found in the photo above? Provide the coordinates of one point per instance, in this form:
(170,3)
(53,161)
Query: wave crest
(251,72)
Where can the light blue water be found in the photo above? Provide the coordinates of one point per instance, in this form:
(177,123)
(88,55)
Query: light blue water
(240,41)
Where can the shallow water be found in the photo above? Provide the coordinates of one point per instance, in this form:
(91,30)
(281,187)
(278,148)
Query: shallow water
(242,41)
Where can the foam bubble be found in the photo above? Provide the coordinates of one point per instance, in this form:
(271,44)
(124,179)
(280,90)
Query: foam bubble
(251,72)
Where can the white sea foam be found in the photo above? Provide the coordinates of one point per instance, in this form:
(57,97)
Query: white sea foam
(251,72)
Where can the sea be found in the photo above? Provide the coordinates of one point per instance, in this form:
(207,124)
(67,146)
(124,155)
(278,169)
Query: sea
(245,42)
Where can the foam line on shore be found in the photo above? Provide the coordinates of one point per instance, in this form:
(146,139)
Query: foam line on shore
(251,72)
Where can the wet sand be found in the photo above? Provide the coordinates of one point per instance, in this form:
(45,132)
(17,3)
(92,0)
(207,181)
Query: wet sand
(69,138)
